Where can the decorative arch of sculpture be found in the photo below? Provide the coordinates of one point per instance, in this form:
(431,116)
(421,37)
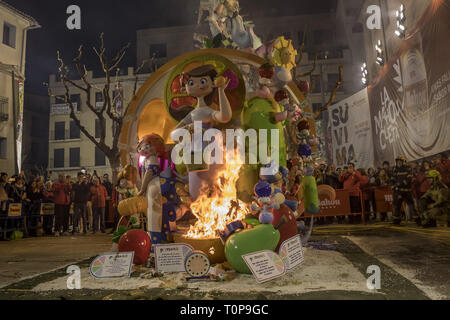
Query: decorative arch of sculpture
(147,112)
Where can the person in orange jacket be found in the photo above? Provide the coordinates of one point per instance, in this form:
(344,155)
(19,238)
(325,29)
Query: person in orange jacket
(351,179)
(61,198)
(99,195)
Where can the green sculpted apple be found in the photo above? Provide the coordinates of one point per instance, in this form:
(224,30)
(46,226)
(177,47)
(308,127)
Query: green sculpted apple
(261,237)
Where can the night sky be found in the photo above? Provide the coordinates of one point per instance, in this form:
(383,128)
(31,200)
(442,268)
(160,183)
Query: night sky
(119,20)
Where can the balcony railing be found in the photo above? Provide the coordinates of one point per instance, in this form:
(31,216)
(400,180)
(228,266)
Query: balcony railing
(99,105)
(4,114)
(325,54)
(89,168)
(63,136)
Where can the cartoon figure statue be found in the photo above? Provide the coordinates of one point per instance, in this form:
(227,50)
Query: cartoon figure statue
(263,192)
(309,184)
(307,140)
(225,21)
(127,189)
(202,84)
(277,182)
(175,200)
(152,148)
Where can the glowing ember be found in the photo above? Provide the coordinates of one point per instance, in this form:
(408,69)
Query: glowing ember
(217,206)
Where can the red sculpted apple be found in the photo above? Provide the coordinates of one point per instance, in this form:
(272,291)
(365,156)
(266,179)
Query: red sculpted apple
(304,87)
(289,228)
(266,71)
(136,240)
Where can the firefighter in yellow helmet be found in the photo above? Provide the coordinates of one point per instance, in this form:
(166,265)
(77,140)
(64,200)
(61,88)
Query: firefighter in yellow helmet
(435,202)
(401,181)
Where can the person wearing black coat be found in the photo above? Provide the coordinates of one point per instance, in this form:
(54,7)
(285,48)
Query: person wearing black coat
(81,195)
(332,177)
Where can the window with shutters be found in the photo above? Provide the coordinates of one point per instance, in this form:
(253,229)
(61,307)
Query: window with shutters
(74,157)
(97,128)
(158,50)
(3,144)
(100,159)
(74,130)
(60,127)
(9,35)
(58,158)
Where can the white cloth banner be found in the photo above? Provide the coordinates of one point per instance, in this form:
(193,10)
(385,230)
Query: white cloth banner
(351,131)
(20,126)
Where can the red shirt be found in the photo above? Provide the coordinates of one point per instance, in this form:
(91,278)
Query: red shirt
(98,196)
(444,170)
(416,184)
(352,182)
(61,193)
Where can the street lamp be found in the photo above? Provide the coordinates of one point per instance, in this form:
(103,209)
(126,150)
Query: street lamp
(401,21)
(364,74)
(380,53)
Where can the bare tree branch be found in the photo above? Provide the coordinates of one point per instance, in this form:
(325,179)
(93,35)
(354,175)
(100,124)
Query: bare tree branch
(85,85)
(77,121)
(139,69)
(300,55)
(119,57)
(313,68)
(101,53)
(333,94)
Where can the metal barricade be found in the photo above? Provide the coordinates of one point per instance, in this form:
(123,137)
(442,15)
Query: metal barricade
(12,219)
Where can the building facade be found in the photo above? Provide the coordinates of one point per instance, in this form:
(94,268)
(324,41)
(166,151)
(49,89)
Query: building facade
(326,34)
(35,133)
(163,44)
(69,150)
(14,26)
(334,37)
(390,42)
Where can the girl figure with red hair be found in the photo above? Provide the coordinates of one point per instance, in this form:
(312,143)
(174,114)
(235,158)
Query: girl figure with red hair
(152,147)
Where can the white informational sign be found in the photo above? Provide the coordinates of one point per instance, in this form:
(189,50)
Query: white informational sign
(15,210)
(112,265)
(351,131)
(47,208)
(170,258)
(265,265)
(291,252)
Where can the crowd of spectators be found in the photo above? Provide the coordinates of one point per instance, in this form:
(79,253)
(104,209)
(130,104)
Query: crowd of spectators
(409,189)
(88,196)
(85,196)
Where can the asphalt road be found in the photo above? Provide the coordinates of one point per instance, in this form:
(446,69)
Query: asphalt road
(414,264)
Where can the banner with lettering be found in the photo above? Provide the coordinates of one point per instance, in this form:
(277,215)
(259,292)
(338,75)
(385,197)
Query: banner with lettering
(410,100)
(351,131)
(19,124)
(118,99)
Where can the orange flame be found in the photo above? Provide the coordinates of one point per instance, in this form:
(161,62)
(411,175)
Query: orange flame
(217,206)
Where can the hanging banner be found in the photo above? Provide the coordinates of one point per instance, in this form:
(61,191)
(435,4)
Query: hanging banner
(20,125)
(118,99)
(351,131)
(410,100)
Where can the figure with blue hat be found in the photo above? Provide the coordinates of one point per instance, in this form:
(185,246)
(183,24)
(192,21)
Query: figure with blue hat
(263,192)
